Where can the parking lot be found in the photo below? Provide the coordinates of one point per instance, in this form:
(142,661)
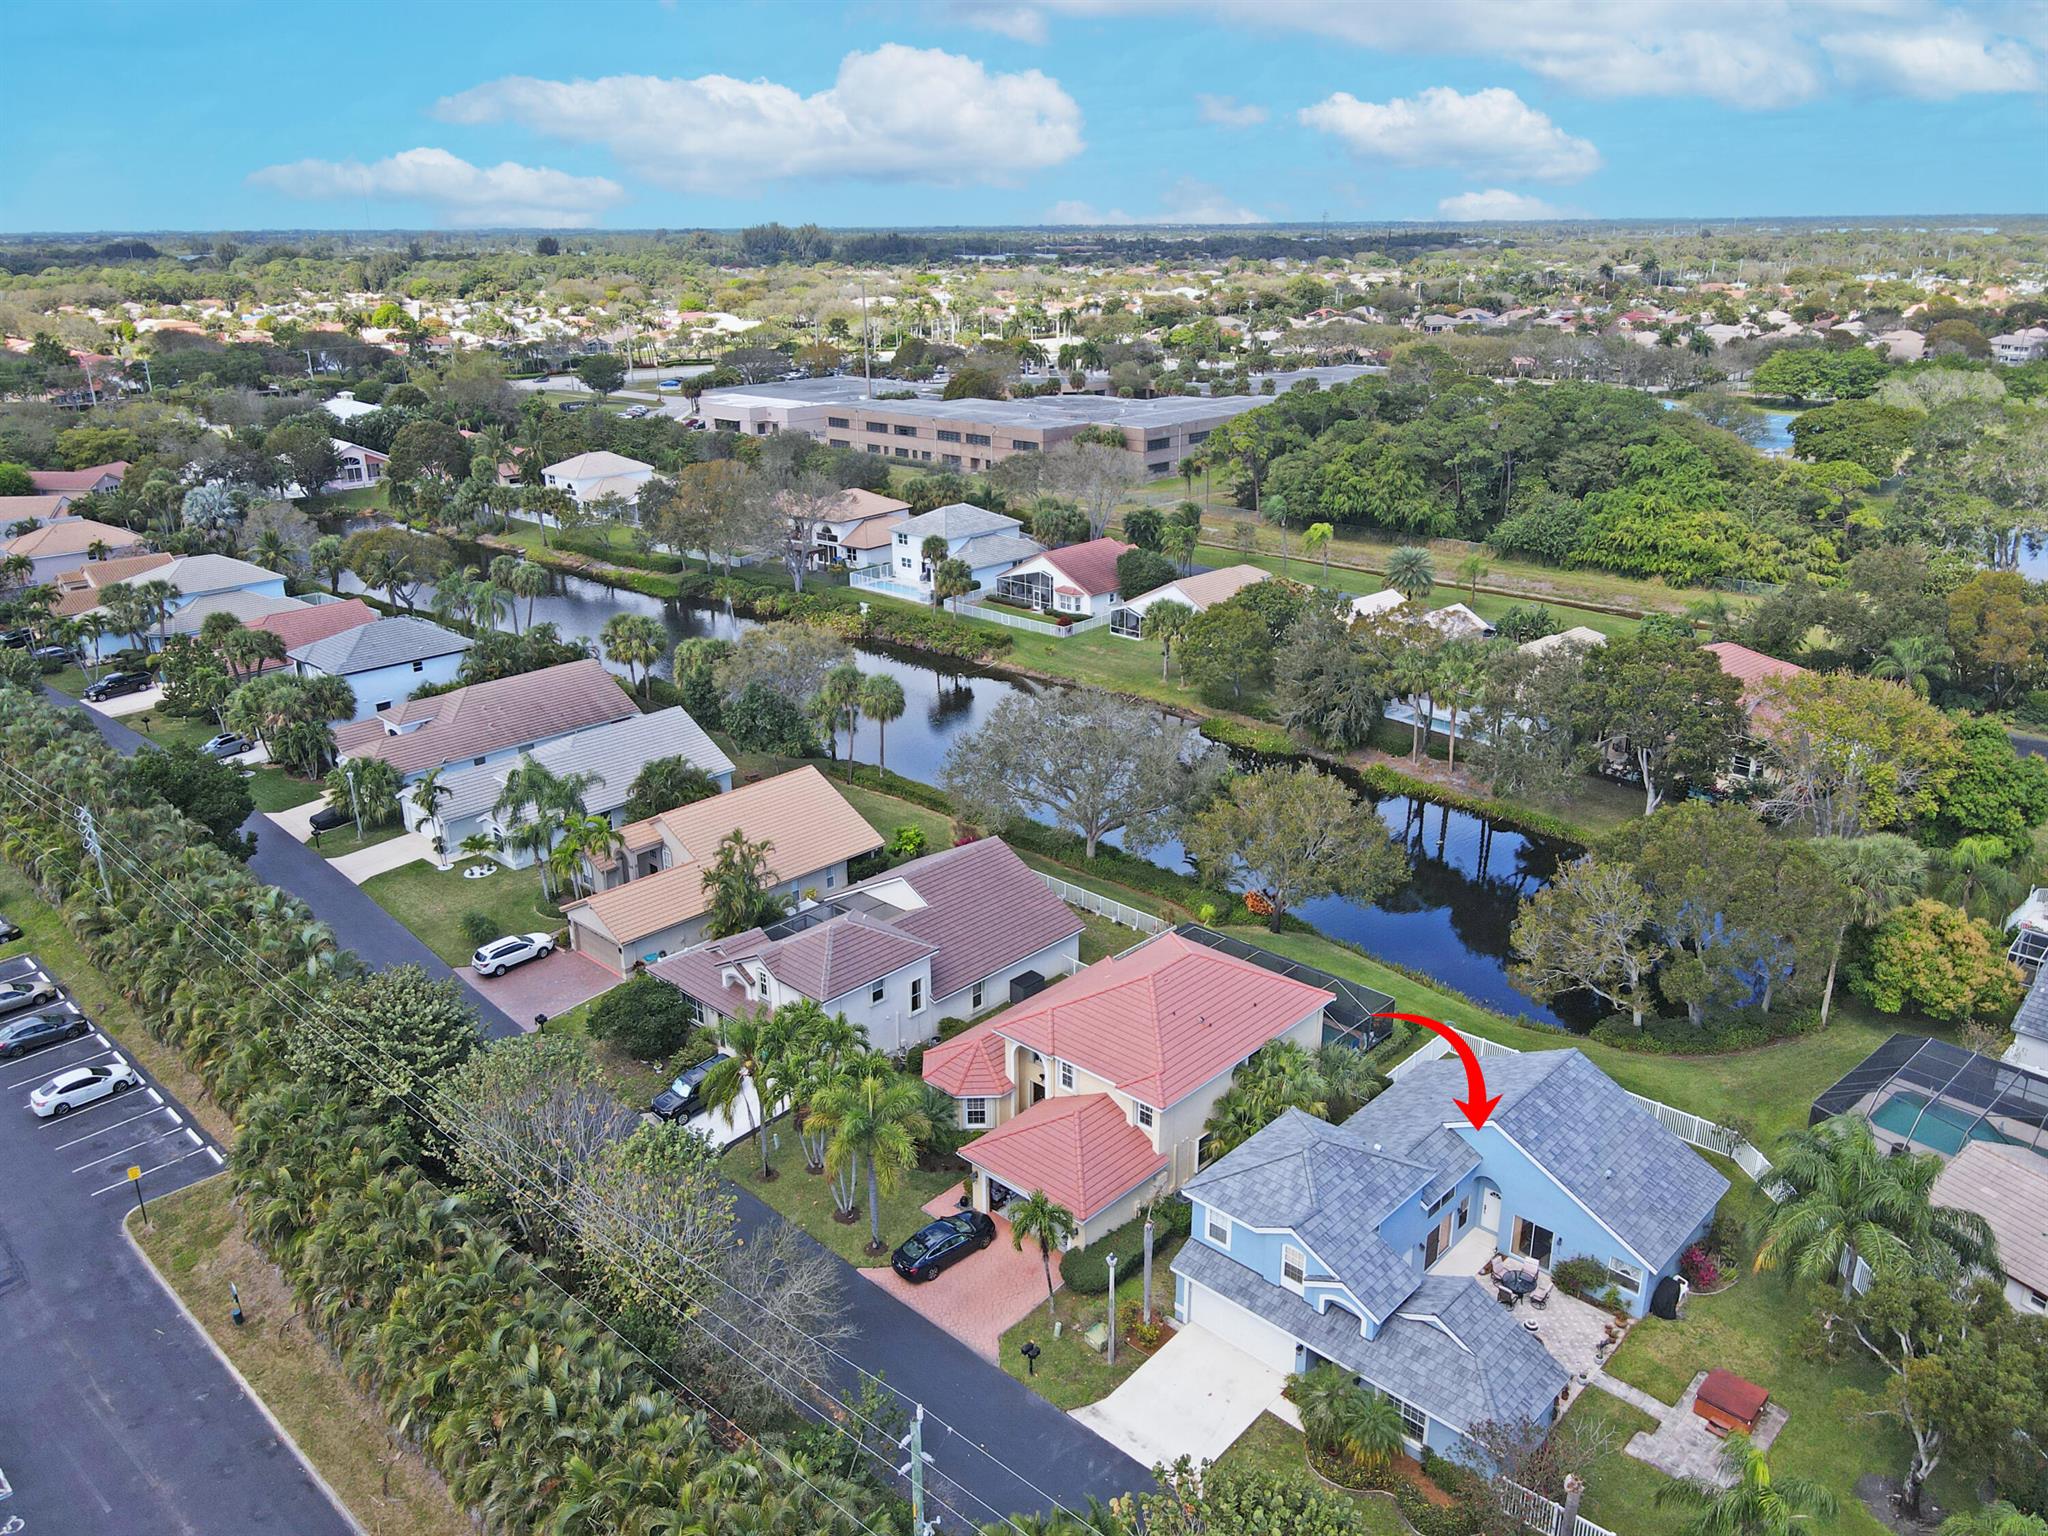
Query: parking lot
(117,1416)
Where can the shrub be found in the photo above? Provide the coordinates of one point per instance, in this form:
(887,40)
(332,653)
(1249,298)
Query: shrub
(1580,1275)
(949,1027)
(2033,709)
(1086,1270)
(699,1047)
(645,1017)
(1131,1324)
(907,841)
(478,928)
(1699,1268)
(1525,622)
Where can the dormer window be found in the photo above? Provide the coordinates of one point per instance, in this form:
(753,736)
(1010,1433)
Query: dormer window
(1293,1267)
(1066,1074)
(1145,1115)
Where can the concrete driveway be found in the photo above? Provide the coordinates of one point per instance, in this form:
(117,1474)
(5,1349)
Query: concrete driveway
(982,1297)
(552,984)
(130,703)
(1193,1398)
(382,858)
(297,822)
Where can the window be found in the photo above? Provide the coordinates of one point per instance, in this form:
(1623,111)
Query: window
(419,666)
(979,439)
(1022,446)
(974,998)
(1066,1074)
(917,994)
(838,421)
(478,763)
(902,453)
(881,990)
(2036,1300)
(1626,1277)
(839,442)
(1412,1417)
(950,460)
(1154,444)
(1216,1226)
(874,447)
(831,878)
(382,705)
(1145,1116)
(904,563)
(725,424)
(1532,1241)
(974,1112)
(1197,437)
(903,539)
(945,435)
(1464,1212)
(879,426)
(1293,1267)
(1160,466)
(1439,1202)
(903,431)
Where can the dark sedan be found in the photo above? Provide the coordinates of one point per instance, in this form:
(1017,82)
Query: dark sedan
(9,929)
(118,684)
(942,1245)
(33,1033)
(685,1096)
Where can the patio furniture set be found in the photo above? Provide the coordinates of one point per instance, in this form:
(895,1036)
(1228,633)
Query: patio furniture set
(1516,1280)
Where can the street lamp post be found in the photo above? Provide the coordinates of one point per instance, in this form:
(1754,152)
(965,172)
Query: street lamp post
(1112,1308)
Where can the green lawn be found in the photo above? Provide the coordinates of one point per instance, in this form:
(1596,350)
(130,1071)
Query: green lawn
(1275,1447)
(171,730)
(885,813)
(636,1082)
(70,680)
(1070,1372)
(431,903)
(333,845)
(805,1198)
(275,790)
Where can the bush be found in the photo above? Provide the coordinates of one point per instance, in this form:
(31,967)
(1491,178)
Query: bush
(2033,709)
(1581,1276)
(478,928)
(1680,1037)
(1525,622)
(1699,1267)
(950,1027)
(699,1047)
(645,1017)
(1086,1270)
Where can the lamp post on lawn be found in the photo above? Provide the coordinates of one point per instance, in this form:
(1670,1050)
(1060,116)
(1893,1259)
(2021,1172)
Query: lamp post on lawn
(1112,1308)
(1148,1271)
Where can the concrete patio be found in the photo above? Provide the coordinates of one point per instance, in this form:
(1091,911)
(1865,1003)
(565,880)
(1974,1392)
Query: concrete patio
(1570,1329)
(1681,1445)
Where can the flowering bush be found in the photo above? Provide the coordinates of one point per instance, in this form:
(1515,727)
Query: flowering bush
(1702,1271)
(1257,904)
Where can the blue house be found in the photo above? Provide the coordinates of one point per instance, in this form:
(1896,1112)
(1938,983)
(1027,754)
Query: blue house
(385,661)
(1315,1242)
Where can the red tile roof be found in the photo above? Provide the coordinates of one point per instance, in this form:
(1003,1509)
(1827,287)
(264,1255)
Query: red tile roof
(1090,566)
(1160,1020)
(59,480)
(316,621)
(1750,668)
(970,1065)
(1078,1148)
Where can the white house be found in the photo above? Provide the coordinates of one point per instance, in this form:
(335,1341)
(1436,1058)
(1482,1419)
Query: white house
(614,754)
(2016,347)
(858,526)
(589,477)
(385,661)
(1078,579)
(1198,592)
(990,543)
(488,722)
(355,466)
(1454,621)
(346,407)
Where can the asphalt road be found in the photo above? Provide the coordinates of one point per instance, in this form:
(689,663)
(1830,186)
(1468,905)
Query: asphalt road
(117,1418)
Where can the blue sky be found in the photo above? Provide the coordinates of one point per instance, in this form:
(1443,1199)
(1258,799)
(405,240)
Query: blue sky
(640,114)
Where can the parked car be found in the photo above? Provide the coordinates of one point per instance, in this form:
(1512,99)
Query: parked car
(9,930)
(944,1243)
(328,817)
(39,1030)
(685,1096)
(226,744)
(500,955)
(572,406)
(671,384)
(82,1086)
(17,995)
(57,653)
(118,684)
(15,639)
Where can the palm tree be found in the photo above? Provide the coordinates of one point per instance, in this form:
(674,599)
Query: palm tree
(1996,1519)
(1880,873)
(1315,540)
(1760,1503)
(529,580)
(428,793)
(876,1115)
(328,558)
(1339,1416)
(837,706)
(477,845)
(1411,572)
(1458,675)
(1852,1200)
(881,700)
(636,642)
(1166,621)
(1472,570)
(754,1045)
(1915,660)
(737,885)
(159,600)
(1051,1225)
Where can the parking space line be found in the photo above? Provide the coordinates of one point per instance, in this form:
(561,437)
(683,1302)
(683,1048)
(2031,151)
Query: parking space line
(146,1141)
(123,1183)
(162,1109)
(50,1070)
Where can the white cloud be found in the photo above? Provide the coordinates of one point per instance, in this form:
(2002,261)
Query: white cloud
(1935,65)
(1756,55)
(1489,132)
(1186,202)
(1229,112)
(467,196)
(1019,23)
(896,114)
(1495,205)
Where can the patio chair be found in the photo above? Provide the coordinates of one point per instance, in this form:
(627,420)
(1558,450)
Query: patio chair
(1541,1295)
(1504,1296)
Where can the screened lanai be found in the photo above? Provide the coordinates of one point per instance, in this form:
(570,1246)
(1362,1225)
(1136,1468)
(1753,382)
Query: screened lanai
(1932,1096)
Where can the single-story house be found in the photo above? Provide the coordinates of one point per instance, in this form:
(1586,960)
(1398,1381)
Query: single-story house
(1454,621)
(1078,579)
(1580,637)
(355,466)
(43,507)
(2008,1187)
(651,903)
(1359,1244)
(614,754)
(490,721)
(943,937)
(988,542)
(384,661)
(860,522)
(1199,592)
(1757,673)
(346,407)
(1098,1089)
(590,477)
(80,482)
(245,608)
(314,621)
(69,542)
(192,576)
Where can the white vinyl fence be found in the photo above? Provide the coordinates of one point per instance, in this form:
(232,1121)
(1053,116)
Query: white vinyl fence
(1102,906)
(1010,619)
(1545,1515)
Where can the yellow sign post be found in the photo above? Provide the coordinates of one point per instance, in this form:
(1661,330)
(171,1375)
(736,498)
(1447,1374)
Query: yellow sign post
(135,1179)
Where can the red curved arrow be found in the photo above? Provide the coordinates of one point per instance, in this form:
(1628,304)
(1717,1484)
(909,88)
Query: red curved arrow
(1476,1104)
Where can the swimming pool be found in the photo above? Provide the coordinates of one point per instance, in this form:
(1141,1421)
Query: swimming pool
(1941,1127)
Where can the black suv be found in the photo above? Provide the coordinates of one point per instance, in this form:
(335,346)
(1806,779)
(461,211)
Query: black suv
(685,1096)
(115,684)
(942,1245)
(32,1034)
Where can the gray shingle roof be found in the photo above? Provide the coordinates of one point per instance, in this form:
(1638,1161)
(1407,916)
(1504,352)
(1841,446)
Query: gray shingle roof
(390,642)
(1479,1364)
(998,548)
(956,520)
(615,753)
(833,958)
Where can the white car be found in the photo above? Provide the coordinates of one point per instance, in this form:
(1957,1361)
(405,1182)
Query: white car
(500,955)
(82,1086)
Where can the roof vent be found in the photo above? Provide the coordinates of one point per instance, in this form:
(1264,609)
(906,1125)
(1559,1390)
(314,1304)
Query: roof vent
(1377,1147)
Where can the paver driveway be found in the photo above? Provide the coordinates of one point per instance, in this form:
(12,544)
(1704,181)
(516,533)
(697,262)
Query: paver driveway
(552,984)
(978,1299)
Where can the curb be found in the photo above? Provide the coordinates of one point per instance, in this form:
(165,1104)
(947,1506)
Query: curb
(284,1436)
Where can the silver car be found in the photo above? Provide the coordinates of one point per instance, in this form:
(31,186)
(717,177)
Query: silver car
(500,955)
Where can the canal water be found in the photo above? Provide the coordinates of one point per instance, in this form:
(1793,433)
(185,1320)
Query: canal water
(1449,921)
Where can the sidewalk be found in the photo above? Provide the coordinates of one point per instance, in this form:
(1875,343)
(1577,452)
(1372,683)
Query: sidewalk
(382,858)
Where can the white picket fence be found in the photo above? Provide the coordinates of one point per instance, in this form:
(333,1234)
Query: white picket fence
(1010,619)
(1695,1130)
(1546,1515)
(1102,906)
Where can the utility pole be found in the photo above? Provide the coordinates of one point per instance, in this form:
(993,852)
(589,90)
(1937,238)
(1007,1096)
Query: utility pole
(349,772)
(867,368)
(914,1470)
(1148,1270)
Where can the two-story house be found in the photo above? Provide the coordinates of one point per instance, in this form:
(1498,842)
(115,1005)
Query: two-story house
(1097,1091)
(590,477)
(1076,579)
(945,937)
(1359,1243)
(384,661)
(988,542)
(860,524)
(193,578)
(488,722)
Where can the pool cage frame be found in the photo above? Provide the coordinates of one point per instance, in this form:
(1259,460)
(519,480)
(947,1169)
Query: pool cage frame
(1973,1091)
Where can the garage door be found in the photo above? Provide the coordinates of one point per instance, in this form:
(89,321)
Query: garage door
(1258,1338)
